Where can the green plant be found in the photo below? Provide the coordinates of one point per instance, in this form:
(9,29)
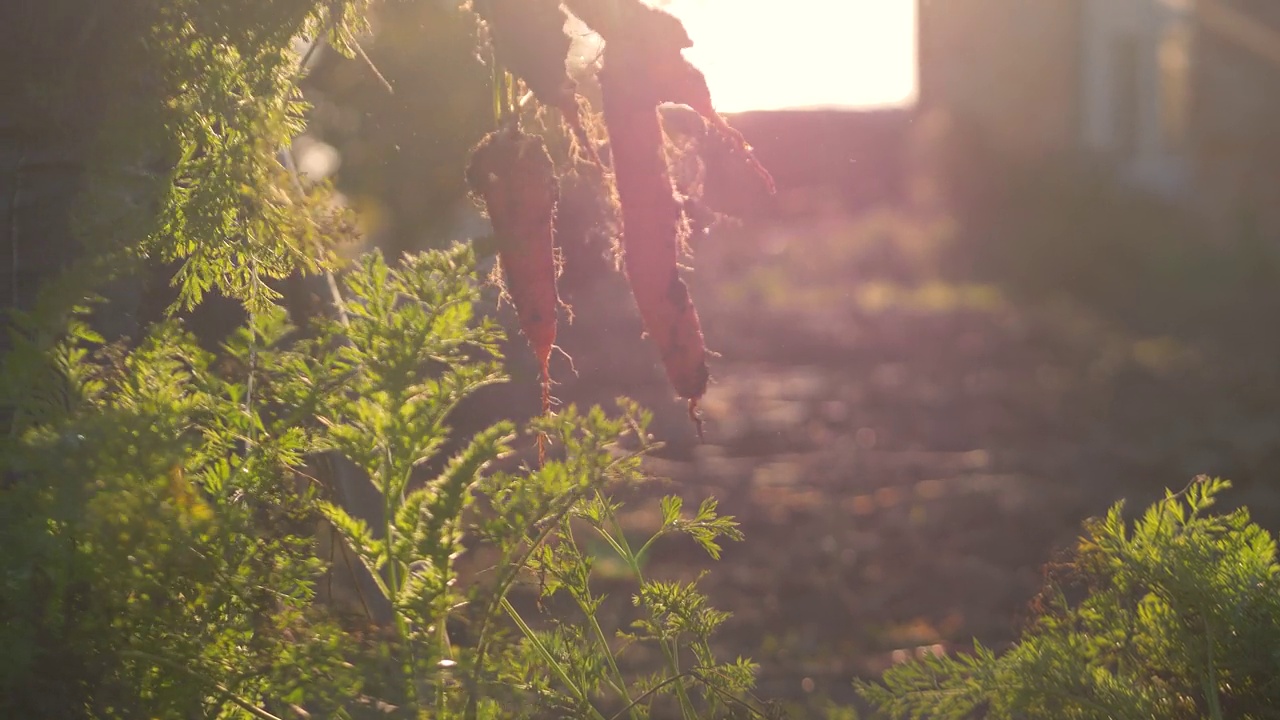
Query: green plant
(160,505)
(158,546)
(157,559)
(160,128)
(1174,616)
(574,664)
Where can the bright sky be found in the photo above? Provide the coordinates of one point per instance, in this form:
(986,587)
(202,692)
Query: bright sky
(782,54)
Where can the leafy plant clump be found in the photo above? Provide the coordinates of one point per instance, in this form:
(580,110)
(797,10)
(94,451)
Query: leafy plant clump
(185,108)
(1174,616)
(161,501)
(159,545)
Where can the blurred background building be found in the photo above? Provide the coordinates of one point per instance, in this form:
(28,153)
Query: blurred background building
(1178,97)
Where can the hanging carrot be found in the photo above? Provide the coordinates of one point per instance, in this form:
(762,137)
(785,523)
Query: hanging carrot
(643,68)
(652,224)
(513,174)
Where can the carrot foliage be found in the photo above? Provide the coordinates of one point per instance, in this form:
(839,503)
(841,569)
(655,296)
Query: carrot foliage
(283,522)
(1171,615)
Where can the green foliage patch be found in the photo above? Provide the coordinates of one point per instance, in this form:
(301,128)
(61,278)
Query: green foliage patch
(158,540)
(1176,615)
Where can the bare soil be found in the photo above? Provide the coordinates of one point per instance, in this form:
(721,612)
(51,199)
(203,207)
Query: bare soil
(903,450)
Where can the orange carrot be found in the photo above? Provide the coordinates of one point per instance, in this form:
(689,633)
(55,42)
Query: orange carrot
(652,224)
(643,68)
(513,174)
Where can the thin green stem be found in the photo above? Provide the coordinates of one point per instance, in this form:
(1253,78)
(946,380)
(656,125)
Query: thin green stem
(618,548)
(513,88)
(253,367)
(1211,682)
(726,697)
(673,664)
(496,83)
(646,695)
(392,496)
(368,61)
(618,540)
(446,651)
(510,570)
(620,682)
(550,659)
(649,543)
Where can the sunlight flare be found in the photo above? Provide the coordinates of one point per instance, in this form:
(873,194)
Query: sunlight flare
(789,54)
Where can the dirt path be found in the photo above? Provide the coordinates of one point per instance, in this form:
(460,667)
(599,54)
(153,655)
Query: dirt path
(903,453)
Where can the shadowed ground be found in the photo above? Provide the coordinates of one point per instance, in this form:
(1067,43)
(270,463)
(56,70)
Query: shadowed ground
(904,453)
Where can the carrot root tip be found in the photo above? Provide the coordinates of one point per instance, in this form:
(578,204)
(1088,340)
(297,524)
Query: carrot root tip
(696,416)
(572,368)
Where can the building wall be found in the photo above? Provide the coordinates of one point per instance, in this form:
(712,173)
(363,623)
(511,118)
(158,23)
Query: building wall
(1136,89)
(1237,115)
(1010,68)
(1181,97)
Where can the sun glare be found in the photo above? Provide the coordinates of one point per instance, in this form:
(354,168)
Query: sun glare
(790,54)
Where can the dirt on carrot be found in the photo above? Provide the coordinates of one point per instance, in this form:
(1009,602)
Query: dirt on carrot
(513,175)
